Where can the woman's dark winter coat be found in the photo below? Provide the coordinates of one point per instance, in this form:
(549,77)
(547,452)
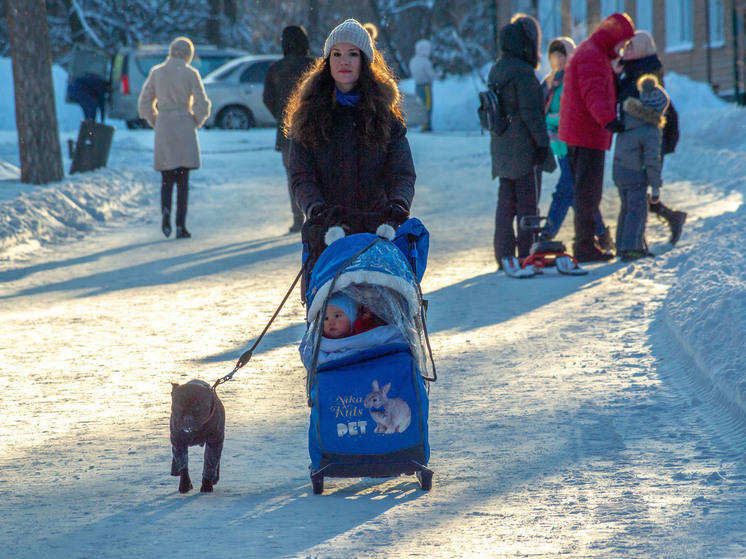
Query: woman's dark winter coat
(283,76)
(347,173)
(627,87)
(517,150)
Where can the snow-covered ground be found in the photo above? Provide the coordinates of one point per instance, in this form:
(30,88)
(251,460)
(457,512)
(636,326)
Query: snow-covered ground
(594,416)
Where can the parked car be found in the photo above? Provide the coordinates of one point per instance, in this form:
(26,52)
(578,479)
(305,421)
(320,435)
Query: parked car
(131,66)
(236,89)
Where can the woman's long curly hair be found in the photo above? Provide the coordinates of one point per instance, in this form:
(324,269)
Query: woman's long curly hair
(308,115)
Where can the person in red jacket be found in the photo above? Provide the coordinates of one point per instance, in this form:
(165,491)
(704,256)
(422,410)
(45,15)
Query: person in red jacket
(588,118)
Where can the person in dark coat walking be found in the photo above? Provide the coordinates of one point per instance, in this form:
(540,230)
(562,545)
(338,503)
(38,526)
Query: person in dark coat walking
(640,57)
(350,162)
(521,152)
(282,78)
(588,118)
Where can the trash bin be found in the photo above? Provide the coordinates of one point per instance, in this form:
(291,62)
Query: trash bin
(93,146)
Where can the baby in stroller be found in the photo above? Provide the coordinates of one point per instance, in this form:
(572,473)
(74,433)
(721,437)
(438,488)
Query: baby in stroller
(348,331)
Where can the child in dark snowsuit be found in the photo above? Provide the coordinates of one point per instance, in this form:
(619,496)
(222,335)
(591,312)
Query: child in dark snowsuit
(637,164)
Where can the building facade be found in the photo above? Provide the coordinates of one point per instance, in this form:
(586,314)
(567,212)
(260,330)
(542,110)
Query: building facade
(702,39)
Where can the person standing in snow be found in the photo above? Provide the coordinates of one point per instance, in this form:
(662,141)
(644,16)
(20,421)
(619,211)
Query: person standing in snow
(588,119)
(350,161)
(559,51)
(637,163)
(174,102)
(640,57)
(521,152)
(282,78)
(424,75)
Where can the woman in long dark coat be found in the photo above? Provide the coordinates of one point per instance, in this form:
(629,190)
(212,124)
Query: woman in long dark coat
(522,151)
(350,162)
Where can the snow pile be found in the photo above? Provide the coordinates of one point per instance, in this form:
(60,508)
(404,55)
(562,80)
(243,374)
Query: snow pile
(704,310)
(67,209)
(706,307)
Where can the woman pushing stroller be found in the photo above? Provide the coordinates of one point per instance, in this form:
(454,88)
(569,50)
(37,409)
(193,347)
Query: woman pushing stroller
(349,161)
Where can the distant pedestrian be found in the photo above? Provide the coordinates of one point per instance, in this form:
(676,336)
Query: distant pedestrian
(90,93)
(173,101)
(559,51)
(640,57)
(521,152)
(282,79)
(350,161)
(588,119)
(637,164)
(424,75)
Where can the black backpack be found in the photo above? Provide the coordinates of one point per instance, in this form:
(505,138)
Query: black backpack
(491,114)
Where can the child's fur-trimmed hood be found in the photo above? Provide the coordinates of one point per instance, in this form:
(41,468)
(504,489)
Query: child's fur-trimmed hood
(635,108)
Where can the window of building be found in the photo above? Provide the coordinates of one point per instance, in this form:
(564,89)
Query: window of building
(609,7)
(644,15)
(717,23)
(579,16)
(550,20)
(679,25)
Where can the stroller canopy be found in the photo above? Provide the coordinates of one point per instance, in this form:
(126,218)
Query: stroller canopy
(375,273)
(365,258)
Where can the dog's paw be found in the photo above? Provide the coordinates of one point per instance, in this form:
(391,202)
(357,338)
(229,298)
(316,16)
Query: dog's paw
(206,486)
(185,483)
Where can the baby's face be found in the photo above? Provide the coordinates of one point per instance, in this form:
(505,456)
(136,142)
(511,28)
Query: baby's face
(336,323)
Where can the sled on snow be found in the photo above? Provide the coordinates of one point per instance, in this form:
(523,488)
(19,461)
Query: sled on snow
(544,253)
(369,406)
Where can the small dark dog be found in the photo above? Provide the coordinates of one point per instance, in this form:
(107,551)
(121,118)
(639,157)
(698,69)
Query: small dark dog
(197,418)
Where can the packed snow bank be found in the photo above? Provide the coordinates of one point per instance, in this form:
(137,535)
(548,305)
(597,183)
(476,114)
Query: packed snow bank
(67,209)
(705,308)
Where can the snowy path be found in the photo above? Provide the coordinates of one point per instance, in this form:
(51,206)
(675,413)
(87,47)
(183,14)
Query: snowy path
(564,422)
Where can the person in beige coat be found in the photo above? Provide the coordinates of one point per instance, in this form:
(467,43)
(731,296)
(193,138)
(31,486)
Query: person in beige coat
(173,101)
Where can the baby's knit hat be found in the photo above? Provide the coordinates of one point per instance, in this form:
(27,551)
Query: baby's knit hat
(352,32)
(652,95)
(346,304)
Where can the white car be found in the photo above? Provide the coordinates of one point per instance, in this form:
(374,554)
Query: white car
(235,90)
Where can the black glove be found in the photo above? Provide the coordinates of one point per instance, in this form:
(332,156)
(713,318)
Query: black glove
(615,126)
(398,212)
(540,155)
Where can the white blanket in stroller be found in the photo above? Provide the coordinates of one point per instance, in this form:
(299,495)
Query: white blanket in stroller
(330,349)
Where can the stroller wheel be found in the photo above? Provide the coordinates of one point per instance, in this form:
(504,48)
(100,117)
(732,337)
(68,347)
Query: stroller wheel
(425,477)
(317,482)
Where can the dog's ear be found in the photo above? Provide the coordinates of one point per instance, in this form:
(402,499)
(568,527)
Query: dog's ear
(174,386)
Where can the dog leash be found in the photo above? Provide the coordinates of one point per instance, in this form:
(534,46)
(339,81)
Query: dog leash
(246,356)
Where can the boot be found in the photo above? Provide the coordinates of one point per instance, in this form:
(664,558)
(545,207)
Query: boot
(166,224)
(591,254)
(182,233)
(675,221)
(605,242)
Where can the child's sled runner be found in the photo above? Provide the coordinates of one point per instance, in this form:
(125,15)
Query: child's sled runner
(368,389)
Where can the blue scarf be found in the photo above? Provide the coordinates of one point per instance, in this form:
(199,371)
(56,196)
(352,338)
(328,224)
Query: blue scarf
(349,99)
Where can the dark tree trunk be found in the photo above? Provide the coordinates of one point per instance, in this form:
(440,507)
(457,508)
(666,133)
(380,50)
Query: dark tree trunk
(213,23)
(313,24)
(400,67)
(36,117)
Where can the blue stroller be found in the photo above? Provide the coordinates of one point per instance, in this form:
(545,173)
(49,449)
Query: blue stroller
(369,405)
